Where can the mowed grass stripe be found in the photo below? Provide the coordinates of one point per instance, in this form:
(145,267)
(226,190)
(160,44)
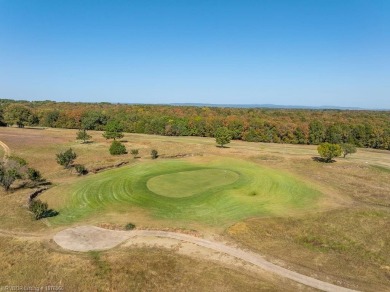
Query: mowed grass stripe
(218,192)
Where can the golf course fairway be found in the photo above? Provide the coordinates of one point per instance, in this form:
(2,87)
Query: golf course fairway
(216,192)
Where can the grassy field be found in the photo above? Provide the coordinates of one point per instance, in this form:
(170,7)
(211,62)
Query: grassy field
(329,221)
(230,190)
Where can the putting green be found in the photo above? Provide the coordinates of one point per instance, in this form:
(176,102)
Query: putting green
(221,191)
(189,183)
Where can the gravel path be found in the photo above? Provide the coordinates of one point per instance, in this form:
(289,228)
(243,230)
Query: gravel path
(86,238)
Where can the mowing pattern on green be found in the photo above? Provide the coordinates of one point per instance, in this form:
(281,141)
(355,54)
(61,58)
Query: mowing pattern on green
(255,191)
(189,183)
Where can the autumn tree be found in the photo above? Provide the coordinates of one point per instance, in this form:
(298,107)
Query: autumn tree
(222,136)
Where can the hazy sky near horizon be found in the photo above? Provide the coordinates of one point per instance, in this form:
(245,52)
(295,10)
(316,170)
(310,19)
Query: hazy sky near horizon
(323,52)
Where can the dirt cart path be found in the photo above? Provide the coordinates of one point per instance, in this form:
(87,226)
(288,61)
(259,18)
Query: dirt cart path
(86,238)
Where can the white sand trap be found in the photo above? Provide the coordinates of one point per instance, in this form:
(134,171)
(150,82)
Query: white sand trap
(86,238)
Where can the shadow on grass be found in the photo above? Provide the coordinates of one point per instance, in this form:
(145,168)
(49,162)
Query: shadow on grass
(322,160)
(49,213)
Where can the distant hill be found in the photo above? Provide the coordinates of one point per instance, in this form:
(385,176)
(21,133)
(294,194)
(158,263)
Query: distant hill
(275,106)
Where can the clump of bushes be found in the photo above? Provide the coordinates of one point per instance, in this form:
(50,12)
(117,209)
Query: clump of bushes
(129,226)
(34,174)
(154,154)
(117,148)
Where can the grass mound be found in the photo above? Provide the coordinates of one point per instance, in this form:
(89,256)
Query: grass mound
(189,183)
(214,193)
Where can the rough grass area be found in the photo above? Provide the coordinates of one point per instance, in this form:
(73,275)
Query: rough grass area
(30,263)
(347,246)
(120,189)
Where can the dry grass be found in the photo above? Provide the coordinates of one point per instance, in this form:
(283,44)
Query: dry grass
(36,264)
(346,243)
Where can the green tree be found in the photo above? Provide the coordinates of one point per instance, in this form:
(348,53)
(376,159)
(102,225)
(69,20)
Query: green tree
(328,151)
(113,130)
(93,120)
(222,136)
(18,114)
(316,132)
(34,174)
(81,169)
(134,152)
(39,208)
(11,169)
(83,135)
(154,154)
(348,149)
(66,158)
(117,148)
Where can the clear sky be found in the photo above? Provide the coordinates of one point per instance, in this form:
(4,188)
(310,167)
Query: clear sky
(314,52)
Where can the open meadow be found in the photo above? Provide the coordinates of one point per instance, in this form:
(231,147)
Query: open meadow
(328,221)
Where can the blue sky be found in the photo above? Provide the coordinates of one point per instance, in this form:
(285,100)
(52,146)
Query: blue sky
(317,52)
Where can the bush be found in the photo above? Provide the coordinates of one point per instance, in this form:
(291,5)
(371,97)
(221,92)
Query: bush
(348,149)
(66,158)
(154,154)
(328,151)
(134,152)
(39,208)
(81,169)
(33,174)
(129,226)
(117,148)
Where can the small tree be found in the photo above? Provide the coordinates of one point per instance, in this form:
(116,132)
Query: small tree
(154,154)
(66,158)
(113,130)
(11,169)
(328,151)
(83,135)
(117,148)
(39,208)
(348,149)
(222,136)
(81,169)
(134,152)
(34,174)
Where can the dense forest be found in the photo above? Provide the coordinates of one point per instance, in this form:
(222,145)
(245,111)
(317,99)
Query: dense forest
(297,126)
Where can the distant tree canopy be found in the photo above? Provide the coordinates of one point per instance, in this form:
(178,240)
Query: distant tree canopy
(19,115)
(329,151)
(294,126)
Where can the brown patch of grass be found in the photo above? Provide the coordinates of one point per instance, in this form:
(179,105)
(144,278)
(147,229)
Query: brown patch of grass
(28,263)
(351,246)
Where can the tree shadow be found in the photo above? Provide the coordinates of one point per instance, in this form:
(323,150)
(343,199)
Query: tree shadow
(322,160)
(222,146)
(50,213)
(87,142)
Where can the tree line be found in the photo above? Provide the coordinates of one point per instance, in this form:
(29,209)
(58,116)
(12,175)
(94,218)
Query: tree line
(295,126)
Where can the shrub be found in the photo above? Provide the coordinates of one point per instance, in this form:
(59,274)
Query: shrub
(39,208)
(81,169)
(66,158)
(154,154)
(328,151)
(134,152)
(348,149)
(117,148)
(33,174)
(223,136)
(129,226)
